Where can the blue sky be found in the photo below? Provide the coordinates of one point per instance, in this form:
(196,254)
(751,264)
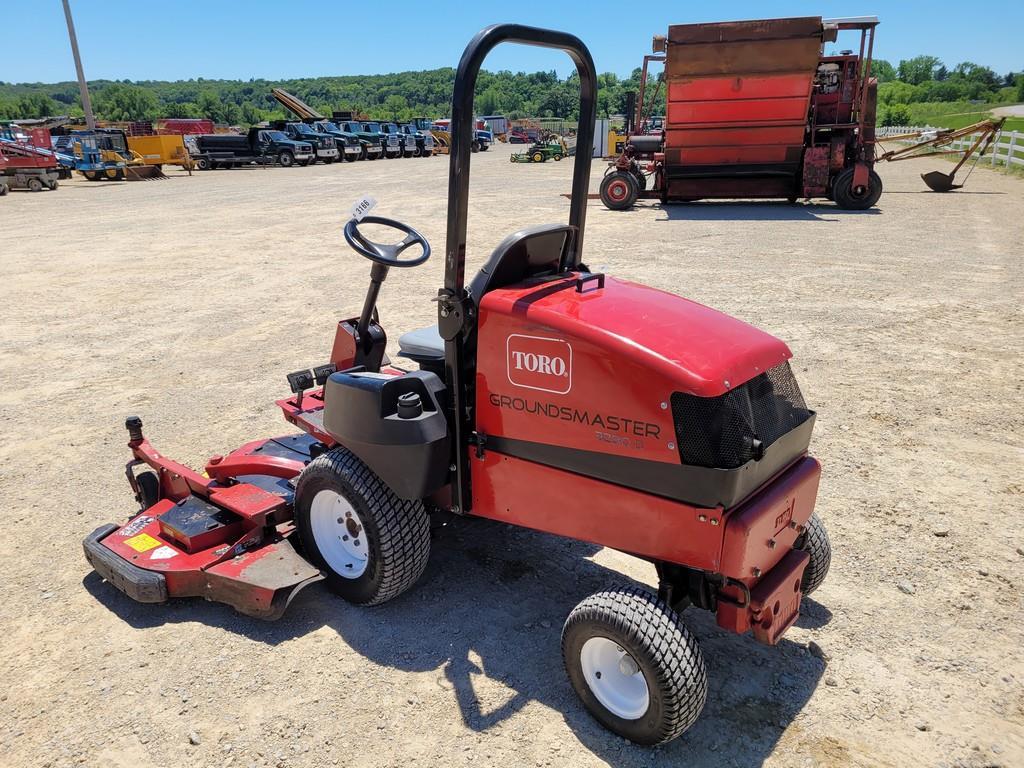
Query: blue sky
(142,39)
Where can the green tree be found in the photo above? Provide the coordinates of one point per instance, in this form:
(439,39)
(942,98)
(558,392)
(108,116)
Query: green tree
(395,105)
(126,102)
(918,69)
(895,114)
(896,92)
(883,70)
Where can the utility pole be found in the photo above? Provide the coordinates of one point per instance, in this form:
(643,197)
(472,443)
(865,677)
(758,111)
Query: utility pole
(90,119)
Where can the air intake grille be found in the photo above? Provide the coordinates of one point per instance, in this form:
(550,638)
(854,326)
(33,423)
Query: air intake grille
(729,430)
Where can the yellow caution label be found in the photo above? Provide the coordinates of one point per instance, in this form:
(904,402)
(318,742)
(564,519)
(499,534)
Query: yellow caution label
(142,543)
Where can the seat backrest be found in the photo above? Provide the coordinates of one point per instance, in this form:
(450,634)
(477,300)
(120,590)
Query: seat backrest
(527,253)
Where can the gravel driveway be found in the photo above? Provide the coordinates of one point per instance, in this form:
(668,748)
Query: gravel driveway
(187,300)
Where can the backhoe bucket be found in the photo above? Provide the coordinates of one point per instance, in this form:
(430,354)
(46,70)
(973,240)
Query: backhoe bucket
(143,173)
(938,181)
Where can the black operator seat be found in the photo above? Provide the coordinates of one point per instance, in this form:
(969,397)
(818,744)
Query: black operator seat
(530,252)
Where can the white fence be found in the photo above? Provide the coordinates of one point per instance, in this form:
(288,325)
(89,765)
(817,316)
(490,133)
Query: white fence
(1006,150)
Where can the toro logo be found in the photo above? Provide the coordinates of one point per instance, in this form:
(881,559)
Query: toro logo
(535,362)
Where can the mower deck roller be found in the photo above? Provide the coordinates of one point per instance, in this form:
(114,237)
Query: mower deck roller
(548,397)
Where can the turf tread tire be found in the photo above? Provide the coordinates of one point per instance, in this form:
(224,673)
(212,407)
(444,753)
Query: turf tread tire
(400,545)
(815,542)
(660,642)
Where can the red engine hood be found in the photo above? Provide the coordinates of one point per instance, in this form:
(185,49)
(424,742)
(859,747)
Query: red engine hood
(706,352)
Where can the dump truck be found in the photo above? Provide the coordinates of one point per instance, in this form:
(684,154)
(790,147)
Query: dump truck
(391,143)
(324,145)
(349,146)
(424,140)
(373,143)
(260,145)
(756,110)
(406,140)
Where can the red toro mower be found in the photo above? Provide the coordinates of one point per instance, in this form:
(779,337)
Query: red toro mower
(547,396)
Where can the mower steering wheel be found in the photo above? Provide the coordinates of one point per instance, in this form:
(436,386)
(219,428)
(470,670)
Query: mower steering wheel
(386,254)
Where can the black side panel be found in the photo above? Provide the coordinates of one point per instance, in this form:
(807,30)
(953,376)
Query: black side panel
(409,454)
(698,486)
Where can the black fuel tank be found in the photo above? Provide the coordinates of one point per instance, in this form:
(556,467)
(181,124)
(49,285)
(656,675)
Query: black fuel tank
(395,424)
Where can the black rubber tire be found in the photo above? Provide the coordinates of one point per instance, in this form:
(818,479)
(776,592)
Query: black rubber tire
(843,194)
(286,159)
(537,157)
(816,543)
(203,164)
(475,146)
(91,175)
(35,185)
(641,180)
(556,157)
(484,147)
(610,186)
(149,489)
(667,654)
(3,189)
(397,531)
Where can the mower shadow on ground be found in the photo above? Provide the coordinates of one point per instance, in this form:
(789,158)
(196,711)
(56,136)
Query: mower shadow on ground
(491,605)
(766,210)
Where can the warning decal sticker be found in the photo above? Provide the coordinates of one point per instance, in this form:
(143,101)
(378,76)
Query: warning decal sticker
(142,543)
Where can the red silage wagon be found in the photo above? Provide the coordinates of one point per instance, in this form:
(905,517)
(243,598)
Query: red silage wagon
(754,109)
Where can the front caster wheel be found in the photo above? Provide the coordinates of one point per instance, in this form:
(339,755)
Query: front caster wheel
(370,545)
(635,665)
(815,542)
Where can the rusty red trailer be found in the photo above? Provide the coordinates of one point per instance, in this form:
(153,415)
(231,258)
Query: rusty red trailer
(755,109)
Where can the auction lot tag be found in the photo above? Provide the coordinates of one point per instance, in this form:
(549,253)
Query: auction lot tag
(142,542)
(363,206)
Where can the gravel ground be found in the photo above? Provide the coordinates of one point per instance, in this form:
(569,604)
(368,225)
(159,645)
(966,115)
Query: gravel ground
(187,301)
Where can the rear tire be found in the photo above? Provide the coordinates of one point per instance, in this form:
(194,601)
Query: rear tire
(815,542)
(856,200)
(370,545)
(619,191)
(635,665)
(34,185)
(537,157)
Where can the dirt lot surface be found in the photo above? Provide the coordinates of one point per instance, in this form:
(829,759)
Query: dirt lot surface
(186,301)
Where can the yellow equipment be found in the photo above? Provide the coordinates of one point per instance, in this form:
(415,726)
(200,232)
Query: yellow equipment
(160,150)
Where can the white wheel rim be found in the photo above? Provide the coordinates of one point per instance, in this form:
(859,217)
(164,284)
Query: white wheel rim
(614,677)
(338,533)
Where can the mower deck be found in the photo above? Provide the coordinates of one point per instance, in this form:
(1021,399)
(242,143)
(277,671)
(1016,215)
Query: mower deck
(218,540)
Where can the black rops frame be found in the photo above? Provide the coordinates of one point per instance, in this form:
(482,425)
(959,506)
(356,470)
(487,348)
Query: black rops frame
(455,309)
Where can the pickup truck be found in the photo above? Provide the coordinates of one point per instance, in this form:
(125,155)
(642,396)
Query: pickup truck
(324,145)
(407,142)
(261,145)
(391,143)
(424,140)
(373,143)
(349,145)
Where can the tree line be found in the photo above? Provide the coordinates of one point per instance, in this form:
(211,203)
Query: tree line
(398,96)
(403,95)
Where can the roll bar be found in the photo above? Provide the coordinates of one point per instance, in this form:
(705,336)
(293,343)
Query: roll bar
(463,130)
(455,310)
